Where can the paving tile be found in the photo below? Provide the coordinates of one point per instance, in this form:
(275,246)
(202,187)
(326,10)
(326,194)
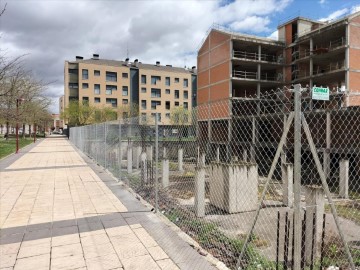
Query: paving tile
(66,250)
(121,230)
(43,241)
(92,251)
(7,260)
(9,248)
(64,230)
(145,238)
(130,250)
(65,240)
(157,253)
(70,262)
(33,263)
(140,263)
(30,251)
(97,239)
(37,235)
(167,264)
(106,262)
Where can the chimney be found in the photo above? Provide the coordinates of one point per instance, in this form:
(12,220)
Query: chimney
(169,65)
(158,63)
(136,62)
(79,57)
(193,69)
(95,56)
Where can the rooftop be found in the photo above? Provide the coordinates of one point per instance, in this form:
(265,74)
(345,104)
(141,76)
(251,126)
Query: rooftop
(135,64)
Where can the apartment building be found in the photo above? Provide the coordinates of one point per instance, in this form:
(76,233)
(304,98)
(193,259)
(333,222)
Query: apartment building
(234,68)
(123,84)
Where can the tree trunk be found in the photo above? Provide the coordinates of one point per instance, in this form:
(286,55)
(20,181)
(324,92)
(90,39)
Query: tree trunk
(23,131)
(7,130)
(29,130)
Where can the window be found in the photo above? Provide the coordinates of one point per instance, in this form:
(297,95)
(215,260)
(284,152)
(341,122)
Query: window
(167,115)
(143,104)
(97,89)
(125,101)
(153,115)
(167,105)
(110,89)
(97,100)
(177,80)
(125,75)
(73,71)
(155,103)
(167,91)
(167,81)
(186,94)
(143,117)
(85,74)
(73,85)
(177,94)
(176,103)
(112,101)
(96,73)
(111,76)
(125,91)
(186,106)
(155,92)
(143,79)
(143,90)
(85,85)
(155,79)
(186,82)
(85,100)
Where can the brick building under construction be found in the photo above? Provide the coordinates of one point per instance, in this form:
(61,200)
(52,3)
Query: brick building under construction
(242,82)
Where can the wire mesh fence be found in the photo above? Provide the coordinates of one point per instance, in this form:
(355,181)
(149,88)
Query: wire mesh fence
(260,182)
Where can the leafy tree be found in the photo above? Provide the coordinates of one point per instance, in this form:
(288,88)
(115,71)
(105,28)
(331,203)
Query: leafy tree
(180,118)
(78,113)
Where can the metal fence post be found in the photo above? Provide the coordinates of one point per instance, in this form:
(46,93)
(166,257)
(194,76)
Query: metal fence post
(119,150)
(297,176)
(156,163)
(105,145)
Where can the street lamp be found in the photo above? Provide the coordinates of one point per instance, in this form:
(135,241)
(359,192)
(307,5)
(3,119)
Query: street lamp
(18,101)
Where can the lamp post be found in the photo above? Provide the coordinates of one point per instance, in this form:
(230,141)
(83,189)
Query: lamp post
(18,101)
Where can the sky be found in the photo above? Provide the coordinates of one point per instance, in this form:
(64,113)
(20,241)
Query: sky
(48,32)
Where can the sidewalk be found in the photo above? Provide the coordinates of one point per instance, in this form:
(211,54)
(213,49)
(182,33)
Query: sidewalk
(58,210)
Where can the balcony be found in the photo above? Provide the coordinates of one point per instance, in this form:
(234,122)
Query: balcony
(265,76)
(244,55)
(334,66)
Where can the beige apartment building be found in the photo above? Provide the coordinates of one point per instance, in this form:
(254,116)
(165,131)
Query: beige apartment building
(124,84)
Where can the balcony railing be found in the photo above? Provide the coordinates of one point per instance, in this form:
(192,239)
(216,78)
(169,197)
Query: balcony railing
(248,75)
(256,57)
(330,67)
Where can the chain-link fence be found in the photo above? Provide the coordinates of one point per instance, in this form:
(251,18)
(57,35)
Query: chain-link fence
(260,182)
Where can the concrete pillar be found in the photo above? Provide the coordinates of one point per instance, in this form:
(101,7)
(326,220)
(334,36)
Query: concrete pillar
(315,202)
(165,173)
(344,179)
(234,186)
(200,188)
(136,156)
(218,154)
(180,159)
(143,164)
(149,152)
(164,152)
(287,172)
(129,158)
(245,155)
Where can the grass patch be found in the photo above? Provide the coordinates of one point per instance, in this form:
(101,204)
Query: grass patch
(348,210)
(8,147)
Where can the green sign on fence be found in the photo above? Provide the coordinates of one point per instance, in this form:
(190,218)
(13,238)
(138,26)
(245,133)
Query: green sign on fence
(320,93)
